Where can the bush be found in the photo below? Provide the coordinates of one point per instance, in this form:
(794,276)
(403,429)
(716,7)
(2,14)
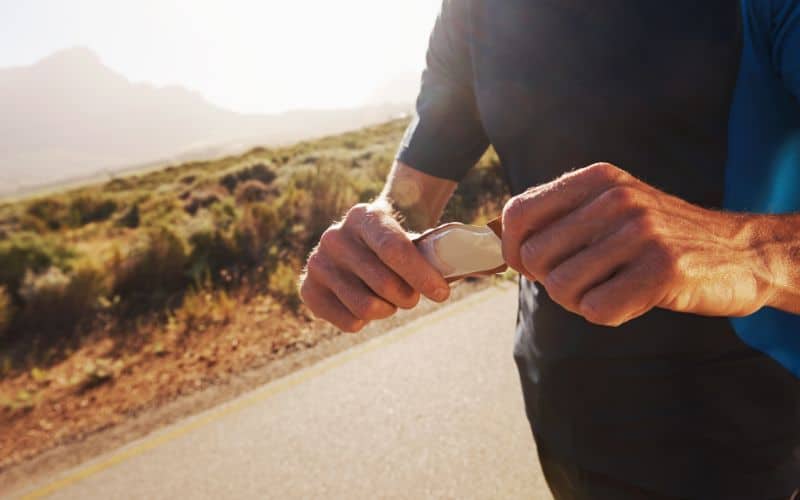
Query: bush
(25,252)
(82,210)
(283,284)
(53,212)
(258,172)
(331,192)
(256,232)
(253,191)
(28,222)
(211,252)
(131,218)
(201,309)
(54,303)
(153,269)
(86,209)
(201,199)
(119,184)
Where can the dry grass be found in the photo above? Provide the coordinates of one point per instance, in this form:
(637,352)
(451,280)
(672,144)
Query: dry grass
(118,297)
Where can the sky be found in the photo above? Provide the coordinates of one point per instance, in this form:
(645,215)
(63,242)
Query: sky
(258,56)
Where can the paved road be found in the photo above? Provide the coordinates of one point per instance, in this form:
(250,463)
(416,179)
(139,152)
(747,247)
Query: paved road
(430,410)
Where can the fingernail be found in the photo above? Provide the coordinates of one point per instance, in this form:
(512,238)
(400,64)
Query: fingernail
(441,294)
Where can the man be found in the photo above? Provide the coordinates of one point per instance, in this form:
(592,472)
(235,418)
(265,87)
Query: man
(688,100)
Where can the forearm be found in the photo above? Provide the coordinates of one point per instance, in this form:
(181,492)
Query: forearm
(776,239)
(418,198)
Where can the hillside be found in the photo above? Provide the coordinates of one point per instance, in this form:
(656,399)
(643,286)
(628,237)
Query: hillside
(120,296)
(70,116)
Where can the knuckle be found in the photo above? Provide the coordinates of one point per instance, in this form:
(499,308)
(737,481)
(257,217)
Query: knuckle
(319,264)
(644,226)
(557,284)
(621,196)
(561,288)
(356,213)
(330,240)
(599,315)
(603,170)
(368,307)
(355,219)
(512,212)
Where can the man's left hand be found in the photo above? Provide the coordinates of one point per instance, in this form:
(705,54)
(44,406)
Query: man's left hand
(609,247)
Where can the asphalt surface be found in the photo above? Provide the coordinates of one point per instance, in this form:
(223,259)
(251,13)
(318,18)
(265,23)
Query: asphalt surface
(430,410)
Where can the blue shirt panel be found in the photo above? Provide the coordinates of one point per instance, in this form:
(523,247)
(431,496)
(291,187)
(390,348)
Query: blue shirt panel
(763,169)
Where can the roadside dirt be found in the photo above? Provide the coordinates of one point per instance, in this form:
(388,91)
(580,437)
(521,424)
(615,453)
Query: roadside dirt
(109,405)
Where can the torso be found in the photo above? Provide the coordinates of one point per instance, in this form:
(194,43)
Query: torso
(648,86)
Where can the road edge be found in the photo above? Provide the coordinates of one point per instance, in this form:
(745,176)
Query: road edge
(57,461)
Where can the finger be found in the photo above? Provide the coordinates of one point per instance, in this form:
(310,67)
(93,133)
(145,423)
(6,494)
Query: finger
(324,304)
(384,236)
(544,250)
(629,294)
(531,211)
(572,278)
(373,272)
(350,290)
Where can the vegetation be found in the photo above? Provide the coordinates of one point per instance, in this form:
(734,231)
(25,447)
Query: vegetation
(171,245)
(5,310)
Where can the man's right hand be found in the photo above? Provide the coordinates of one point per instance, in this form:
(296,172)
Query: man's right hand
(365,268)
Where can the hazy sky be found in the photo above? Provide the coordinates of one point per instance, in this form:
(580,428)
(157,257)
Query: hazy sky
(251,56)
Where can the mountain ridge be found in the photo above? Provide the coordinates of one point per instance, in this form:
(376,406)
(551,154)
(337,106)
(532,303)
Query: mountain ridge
(71,116)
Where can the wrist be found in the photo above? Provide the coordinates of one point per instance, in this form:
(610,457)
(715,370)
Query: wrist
(414,217)
(774,244)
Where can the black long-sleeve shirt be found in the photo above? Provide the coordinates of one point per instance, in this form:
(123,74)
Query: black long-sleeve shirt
(674,404)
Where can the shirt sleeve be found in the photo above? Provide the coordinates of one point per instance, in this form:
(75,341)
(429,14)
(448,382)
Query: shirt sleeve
(785,42)
(446,137)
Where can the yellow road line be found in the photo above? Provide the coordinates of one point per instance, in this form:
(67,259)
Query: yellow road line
(260,395)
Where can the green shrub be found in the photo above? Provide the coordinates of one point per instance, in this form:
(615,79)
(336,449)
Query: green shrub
(28,222)
(53,212)
(258,172)
(201,199)
(224,214)
(211,252)
(283,284)
(23,252)
(86,209)
(188,179)
(54,303)
(254,191)
(119,184)
(153,269)
(330,192)
(256,232)
(131,218)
